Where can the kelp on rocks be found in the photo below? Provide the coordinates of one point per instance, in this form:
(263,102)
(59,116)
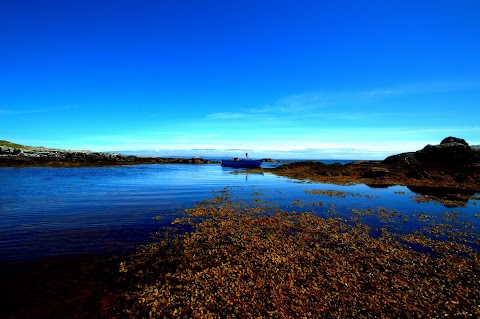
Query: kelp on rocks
(238,262)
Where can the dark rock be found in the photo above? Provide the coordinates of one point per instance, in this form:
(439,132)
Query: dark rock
(56,157)
(452,139)
(376,172)
(322,173)
(415,174)
(452,153)
(402,159)
(461,177)
(359,162)
(364,162)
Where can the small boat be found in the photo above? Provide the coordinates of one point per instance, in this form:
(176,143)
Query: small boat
(242,163)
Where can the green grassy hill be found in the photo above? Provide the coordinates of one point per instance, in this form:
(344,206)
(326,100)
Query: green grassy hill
(10,144)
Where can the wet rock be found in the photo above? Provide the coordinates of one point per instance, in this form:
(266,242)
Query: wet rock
(402,159)
(360,162)
(376,172)
(452,153)
(452,139)
(415,174)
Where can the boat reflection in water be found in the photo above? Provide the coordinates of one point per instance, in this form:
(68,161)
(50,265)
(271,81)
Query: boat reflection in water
(242,163)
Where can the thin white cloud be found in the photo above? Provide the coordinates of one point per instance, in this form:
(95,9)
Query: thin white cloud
(306,105)
(320,104)
(228,115)
(383,93)
(294,104)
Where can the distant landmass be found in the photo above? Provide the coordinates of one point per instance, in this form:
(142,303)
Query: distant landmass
(14,154)
(17,155)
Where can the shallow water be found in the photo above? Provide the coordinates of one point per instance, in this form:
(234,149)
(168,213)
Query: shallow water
(70,211)
(59,227)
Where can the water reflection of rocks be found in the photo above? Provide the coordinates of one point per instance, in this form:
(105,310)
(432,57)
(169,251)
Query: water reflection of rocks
(449,197)
(378,186)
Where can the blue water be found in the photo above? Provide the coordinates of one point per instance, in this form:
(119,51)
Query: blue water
(67,211)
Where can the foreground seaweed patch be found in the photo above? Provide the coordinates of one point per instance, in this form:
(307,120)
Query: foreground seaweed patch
(383,215)
(238,262)
(337,194)
(458,202)
(384,174)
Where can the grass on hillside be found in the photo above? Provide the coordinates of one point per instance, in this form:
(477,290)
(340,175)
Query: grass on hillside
(10,144)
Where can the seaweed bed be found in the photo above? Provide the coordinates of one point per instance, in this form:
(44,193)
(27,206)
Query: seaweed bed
(378,173)
(242,260)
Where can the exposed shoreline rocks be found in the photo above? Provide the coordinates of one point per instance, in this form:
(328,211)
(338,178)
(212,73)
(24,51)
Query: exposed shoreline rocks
(452,163)
(450,151)
(41,156)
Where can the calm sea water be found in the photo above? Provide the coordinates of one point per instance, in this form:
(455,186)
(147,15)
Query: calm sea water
(70,211)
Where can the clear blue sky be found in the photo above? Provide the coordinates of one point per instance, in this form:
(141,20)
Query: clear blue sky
(318,79)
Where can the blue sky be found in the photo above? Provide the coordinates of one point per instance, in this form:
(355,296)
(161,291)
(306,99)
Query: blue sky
(312,79)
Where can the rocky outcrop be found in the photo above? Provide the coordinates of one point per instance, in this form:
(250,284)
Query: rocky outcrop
(375,172)
(57,154)
(402,159)
(452,139)
(450,151)
(41,156)
(10,151)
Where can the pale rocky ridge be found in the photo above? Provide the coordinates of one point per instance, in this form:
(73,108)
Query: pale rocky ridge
(42,156)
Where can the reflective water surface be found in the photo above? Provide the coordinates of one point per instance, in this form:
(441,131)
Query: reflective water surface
(70,211)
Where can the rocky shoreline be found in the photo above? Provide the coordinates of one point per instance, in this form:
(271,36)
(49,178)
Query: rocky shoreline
(453,164)
(450,164)
(42,156)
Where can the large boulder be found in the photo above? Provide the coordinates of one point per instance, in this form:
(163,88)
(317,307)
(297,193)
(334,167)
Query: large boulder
(452,139)
(451,151)
(10,151)
(402,159)
(375,172)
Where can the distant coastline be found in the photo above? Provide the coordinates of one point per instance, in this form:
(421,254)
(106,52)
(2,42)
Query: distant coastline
(17,155)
